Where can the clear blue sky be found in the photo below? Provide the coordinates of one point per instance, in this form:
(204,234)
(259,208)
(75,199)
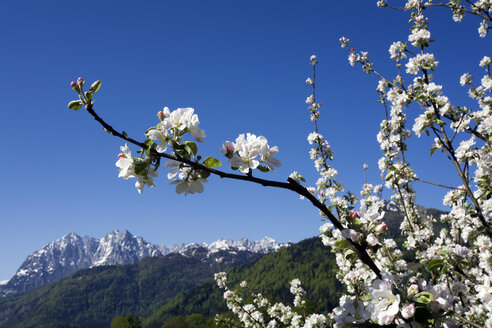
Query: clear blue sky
(240,64)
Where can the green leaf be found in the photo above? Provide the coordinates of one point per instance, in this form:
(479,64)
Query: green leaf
(433,149)
(204,174)
(435,264)
(342,243)
(95,86)
(424,297)
(263,168)
(149,142)
(140,167)
(88,95)
(211,162)
(442,253)
(75,105)
(191,146)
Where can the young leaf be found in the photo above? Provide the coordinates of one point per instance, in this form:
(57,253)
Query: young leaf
(211,162)
(424,297)
(140,168)
(95,86)
(192,147)
(263,168)
(75,105)
(435,264)
(204,174)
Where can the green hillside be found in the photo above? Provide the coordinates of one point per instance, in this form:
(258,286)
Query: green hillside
(308,260)
(92,297)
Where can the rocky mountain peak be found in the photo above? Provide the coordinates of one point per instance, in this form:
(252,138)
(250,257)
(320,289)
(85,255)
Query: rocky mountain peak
(71,252)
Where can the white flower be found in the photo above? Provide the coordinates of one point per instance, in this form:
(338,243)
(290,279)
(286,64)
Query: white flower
(315,320)
(419,37)
(313,136)
(487,82)
(161,135)
(408,311)
(125,163)
(267,153)
(370,213)
(483,28)
(385,303)
(465,79)
(372,239)
(486,60)
(195,131)
(147,179)
(248,148)
(175,169)
(424,61)
(189,186)
(350,234)
(396,50)
(350,312)
(463,151)
(183,119)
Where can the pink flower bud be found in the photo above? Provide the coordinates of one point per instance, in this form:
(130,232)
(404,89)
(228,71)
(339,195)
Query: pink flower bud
(312,58)
(80,80)
(121,155)
(382,227)
(73,85)
(160,115)
(353,215)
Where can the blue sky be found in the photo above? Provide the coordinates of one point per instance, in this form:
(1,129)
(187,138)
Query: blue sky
(240,64)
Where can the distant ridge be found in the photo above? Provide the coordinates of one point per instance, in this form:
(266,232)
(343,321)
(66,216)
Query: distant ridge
(64,256)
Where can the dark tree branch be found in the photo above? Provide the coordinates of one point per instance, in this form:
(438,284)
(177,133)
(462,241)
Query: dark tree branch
(290,185)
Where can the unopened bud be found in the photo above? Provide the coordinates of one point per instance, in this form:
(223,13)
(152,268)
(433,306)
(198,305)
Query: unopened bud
(413,289)
(73,85)
(382,227)
(121,155)
(353,215)
(312,58)
(160,115)
(80,80)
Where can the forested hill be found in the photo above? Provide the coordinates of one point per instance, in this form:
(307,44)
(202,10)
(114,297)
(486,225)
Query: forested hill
(307,260)
(92,297)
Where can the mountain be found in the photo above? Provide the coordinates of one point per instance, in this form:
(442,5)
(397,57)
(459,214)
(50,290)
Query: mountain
(92,297)
(309,260)
(175,284)
(70,253)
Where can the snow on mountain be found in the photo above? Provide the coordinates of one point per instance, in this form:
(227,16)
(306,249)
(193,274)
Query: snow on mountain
(3,282)
(70,253)
(391,206)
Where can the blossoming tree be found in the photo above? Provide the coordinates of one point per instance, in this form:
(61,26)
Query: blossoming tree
(452,285)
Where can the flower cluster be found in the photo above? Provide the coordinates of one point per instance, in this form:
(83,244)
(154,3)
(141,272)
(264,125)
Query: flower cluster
(173,126)
(445,277)
(250,152)
(261,312)
(467,234)
(136,167)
